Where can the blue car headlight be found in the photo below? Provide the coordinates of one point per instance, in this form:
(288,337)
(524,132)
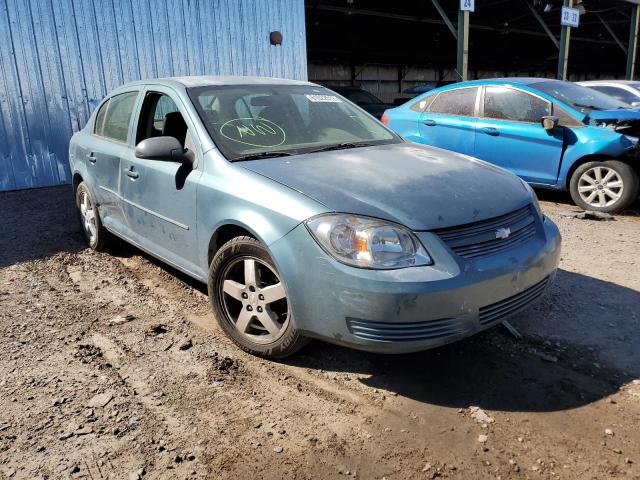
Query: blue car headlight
(368,242)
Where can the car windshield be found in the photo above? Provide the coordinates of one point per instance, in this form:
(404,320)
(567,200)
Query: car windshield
(581,98)
(258,121)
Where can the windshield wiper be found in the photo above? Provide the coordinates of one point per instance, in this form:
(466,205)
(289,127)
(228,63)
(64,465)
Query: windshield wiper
(259,155)
(590,107)
(342,146)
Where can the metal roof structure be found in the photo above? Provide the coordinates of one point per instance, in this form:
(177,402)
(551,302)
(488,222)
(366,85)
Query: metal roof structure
(522,35)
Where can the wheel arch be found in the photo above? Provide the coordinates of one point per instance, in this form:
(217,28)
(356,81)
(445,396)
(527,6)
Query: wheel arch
(226,232)
(77,179)
(595,157)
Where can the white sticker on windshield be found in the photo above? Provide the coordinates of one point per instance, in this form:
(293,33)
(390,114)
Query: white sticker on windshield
(323,98)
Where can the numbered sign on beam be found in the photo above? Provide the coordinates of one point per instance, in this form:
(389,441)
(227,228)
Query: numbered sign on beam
(570,17)
(469,5)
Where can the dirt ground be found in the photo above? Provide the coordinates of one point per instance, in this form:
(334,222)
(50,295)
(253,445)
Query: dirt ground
(112,366)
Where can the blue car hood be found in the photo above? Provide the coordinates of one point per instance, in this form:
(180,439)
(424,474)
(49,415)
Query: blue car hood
(418,186)
(612,115)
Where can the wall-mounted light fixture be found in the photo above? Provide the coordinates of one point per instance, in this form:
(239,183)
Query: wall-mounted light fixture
(275,38)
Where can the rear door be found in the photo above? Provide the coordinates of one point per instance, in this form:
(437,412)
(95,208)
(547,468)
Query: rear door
(449,121)
(106,148)
(510,134)
(159,196)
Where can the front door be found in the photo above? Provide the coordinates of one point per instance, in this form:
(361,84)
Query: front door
(510,134)
(450,121)
(160,196)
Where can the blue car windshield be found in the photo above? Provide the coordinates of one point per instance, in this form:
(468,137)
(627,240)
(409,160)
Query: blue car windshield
(248,122)
(581,98)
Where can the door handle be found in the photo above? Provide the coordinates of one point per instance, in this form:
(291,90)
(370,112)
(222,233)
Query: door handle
(132,173)
(429,122)
(91,158)
(494,132)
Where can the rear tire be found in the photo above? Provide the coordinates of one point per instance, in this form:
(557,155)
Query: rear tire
(609,186)
(94,232)
(250,302)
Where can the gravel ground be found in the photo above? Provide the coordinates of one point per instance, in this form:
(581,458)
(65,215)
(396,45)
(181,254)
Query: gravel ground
(111,366)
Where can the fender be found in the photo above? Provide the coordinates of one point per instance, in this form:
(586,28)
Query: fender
(229,194)
(591,140)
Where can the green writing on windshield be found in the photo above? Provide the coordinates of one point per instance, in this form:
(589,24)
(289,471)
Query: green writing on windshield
(257,132)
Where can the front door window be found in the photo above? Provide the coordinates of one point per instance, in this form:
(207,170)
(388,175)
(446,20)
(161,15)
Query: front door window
(503,103)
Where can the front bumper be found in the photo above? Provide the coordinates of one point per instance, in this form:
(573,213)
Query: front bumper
(411,309)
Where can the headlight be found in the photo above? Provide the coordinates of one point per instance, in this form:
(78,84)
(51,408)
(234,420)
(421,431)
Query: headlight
(368,242)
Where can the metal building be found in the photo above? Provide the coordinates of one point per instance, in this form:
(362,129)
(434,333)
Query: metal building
(58,58)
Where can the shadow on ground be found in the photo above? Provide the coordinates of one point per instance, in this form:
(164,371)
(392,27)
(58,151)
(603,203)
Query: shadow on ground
(564,198)
(37,224)
(495,371)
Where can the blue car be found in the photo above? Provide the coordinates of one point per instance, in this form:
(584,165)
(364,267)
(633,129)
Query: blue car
(553,134)
(307,217)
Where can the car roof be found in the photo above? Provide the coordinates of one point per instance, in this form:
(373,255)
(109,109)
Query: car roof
(208,80)
(619,82)
(504,80)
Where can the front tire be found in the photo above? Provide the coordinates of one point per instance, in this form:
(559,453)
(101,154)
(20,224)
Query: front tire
(94,232)
(609,186)
(249,300)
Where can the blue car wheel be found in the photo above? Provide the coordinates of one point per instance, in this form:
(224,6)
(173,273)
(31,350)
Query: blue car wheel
(609,186)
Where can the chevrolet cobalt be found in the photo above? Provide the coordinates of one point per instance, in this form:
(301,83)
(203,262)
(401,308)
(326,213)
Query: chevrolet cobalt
(306,217)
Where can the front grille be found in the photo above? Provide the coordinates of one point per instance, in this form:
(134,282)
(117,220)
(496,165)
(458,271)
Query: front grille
(496,311)
(404,332)
(480,239)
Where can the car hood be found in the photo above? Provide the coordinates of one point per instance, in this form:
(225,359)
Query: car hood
(421,187)
(623,114)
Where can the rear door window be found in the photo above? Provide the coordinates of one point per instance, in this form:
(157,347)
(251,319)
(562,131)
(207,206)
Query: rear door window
(115,121)
(503,103)
(423,105)
(461,101)
(97,127)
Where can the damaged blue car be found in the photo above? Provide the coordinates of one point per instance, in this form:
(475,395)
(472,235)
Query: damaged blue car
(551,133)
(308,218)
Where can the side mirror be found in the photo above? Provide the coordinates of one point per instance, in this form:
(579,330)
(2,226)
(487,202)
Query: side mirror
(549,122)
(164,149)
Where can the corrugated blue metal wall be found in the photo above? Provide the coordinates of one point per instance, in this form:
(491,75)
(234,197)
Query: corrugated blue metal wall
(58,59)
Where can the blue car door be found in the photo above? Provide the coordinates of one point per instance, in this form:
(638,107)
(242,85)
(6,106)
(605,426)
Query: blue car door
(160,196)
(449,120)
(510,134)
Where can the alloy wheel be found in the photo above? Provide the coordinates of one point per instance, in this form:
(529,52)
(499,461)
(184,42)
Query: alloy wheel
(88,215)
(254,299)
(600,186)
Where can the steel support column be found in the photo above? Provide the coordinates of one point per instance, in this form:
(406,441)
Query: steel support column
(563,54)
(463,45)
(633,42)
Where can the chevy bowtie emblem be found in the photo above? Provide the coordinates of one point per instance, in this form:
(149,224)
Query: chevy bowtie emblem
(503,233)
